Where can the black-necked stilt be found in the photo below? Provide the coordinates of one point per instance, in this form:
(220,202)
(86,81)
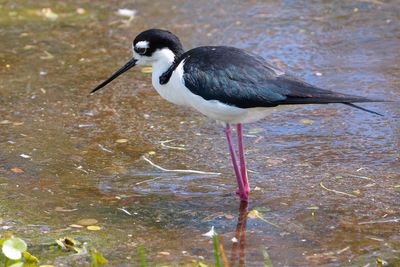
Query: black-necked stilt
(224,83)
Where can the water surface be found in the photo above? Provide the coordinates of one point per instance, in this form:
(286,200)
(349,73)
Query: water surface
(77,165)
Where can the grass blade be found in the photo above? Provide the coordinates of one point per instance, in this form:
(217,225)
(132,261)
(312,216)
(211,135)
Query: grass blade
(267,259)
(216,252)
(222,250)
(142,256)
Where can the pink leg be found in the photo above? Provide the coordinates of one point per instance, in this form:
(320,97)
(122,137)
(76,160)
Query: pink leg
(242,194)
(243,169)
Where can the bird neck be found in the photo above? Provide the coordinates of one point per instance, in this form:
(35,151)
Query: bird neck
(164,59)
(163,68)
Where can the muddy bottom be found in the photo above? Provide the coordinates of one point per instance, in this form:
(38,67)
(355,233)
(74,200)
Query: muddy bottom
(324,178)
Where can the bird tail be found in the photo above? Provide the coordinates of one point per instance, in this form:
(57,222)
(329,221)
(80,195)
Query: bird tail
(364,109)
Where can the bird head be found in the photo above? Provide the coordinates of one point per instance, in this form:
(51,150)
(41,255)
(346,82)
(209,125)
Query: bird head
(149,47)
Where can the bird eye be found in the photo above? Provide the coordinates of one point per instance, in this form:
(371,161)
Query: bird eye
(141,50)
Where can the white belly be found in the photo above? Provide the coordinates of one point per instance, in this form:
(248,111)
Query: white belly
(175,91)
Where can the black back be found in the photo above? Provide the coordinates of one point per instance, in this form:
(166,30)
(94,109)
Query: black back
(236,77)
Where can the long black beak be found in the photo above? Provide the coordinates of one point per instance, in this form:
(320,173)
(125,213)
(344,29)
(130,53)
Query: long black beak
(131,63)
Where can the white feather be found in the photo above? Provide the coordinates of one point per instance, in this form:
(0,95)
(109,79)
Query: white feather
(142,44)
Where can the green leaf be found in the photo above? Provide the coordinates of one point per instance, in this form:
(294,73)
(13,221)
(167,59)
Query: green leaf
(13,248)
(17,264)
(70,244)
(267,260)
(30,260)
(254,214)
(61,244)
(97,259)
(381,262)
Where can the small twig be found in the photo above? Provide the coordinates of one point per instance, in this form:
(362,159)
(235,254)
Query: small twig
(104,149)
(381,221)
(268,222)
(181,171)
(80,168)
(258,139)
(163,144)
(124,210)
(255,214)
(342,250)
(361,177)
(335,191)
(375,238)
(148,180)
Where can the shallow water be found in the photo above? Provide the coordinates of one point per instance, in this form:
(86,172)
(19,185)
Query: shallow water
(80,167)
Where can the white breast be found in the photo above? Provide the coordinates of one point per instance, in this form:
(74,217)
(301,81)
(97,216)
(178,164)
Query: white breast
(176,92)
(173,91)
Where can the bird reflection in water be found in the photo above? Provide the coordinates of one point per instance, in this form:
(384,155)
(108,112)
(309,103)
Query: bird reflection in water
(238,250)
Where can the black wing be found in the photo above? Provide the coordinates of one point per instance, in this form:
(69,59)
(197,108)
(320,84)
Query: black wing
(236,77)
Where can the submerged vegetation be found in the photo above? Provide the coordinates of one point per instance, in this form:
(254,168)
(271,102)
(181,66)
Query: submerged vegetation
(15,253)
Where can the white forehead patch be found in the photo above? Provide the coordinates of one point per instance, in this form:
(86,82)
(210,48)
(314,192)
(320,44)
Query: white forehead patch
(142,44)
